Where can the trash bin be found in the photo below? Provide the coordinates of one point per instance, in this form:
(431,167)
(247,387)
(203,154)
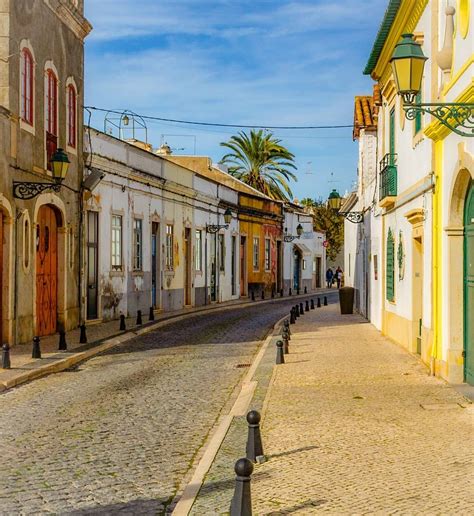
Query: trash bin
(346,300)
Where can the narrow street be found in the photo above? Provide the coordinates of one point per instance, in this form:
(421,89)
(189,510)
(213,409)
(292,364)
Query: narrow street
(121,432)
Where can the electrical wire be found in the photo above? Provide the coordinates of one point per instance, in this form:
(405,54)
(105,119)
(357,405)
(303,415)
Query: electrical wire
(212,124)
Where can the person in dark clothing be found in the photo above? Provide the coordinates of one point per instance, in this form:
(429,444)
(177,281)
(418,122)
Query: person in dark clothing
(338,275)
(329,277)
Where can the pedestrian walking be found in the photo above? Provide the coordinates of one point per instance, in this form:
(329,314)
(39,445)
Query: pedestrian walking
(338,277)
(329,277)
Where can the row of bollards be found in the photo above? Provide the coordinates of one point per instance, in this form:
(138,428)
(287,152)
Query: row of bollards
(241,504)
(62,344)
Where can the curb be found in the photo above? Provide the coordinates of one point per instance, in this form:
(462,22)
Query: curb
(58,364)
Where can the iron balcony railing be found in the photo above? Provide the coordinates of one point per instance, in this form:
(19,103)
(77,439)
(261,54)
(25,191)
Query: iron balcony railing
(388,176)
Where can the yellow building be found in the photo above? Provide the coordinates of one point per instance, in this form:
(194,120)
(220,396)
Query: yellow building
(425,190)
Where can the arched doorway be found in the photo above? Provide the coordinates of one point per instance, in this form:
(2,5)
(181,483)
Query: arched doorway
(469,285)
(46,271)
(1,276)
(297,269)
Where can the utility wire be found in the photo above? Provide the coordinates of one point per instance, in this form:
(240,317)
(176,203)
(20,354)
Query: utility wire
(210,124)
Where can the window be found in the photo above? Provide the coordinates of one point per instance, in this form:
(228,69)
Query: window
(221,253)
(268,259)
(256,253)
(71,116)
(418,117)
(390,287)
(51,115)
(198,255)
(26,86)
(169,247)
(116,242)
(137,244)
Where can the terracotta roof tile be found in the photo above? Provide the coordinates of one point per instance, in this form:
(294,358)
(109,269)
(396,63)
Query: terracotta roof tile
(365,114)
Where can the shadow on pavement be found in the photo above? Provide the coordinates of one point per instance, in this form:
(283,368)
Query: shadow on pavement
(299,507)
(141,506)
(291,452)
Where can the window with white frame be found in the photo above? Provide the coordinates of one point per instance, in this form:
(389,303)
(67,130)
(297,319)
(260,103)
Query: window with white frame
(221,252)
(169,263)
(137,244)
(51,115)
(198,251)
(26,86)
(268,256)
(117,242)
(256,253)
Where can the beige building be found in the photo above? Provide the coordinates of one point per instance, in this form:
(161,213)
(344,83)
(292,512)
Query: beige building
(41,94)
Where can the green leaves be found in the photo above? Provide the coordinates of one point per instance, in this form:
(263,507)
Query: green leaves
(260,161)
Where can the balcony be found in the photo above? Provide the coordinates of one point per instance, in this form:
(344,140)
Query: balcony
(388,180)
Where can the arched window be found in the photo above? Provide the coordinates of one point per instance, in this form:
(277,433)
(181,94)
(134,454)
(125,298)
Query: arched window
(26,86)
(51,114)
(71,116)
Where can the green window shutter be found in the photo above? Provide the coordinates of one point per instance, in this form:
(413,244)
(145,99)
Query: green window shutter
(392,135)
(390,272)
(418,114)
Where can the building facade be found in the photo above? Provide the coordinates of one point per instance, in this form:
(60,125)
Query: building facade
(424,192)
(41,94)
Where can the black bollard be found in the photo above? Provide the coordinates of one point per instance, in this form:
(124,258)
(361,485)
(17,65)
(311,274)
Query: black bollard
(298,313)
(280,358)
(252,295)
(242,501)
(312,304)
(281,292)
(83,335)
(325,301)
(286,323)
(254,449)
(301,309)
(62,346)
(151,316)
(139,317)
(286,348)
(298,292)
(305,290)
(122,323)
(292,316)
(289,292)
(263,294)
(319,302)
(36,353)
(306,306)
(6,364)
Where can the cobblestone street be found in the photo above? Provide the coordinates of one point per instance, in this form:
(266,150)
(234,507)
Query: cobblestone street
(121,432)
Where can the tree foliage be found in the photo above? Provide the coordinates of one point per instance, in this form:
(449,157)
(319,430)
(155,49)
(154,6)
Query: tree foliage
(259,160)
(326,219)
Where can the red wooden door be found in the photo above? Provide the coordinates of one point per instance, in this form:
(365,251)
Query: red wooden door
(46,271)
(242,266)
(1,277)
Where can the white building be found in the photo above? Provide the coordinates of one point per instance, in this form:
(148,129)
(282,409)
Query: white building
(304,257)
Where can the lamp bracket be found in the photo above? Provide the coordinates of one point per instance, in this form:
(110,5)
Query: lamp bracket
(214,228)
(28,190)
(355,217)
(456,116)
(289,238)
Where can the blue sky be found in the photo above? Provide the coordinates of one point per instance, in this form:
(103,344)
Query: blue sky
(294,62)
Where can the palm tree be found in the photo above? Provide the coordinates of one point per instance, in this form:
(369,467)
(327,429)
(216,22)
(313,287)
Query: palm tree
(260,161)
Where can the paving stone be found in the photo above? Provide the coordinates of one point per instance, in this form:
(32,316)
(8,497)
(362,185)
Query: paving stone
(122,432)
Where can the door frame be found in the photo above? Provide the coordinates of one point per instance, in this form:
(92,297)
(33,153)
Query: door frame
(96,247)
(243,286)
(187,267)
(156,267)
(468,283)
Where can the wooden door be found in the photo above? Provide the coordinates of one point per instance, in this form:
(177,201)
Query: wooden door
(155,265)
(318,271)
(187,265)
(242,266)
(92,264)
(469,287)
(46,271)
(1,277)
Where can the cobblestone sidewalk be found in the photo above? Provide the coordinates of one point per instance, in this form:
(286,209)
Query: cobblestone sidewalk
(352,424)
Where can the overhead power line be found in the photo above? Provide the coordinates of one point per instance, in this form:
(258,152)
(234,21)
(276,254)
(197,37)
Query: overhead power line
(210,124)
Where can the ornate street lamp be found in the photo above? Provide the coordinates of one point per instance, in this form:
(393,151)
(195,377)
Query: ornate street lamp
(408,62)
(335,202)
(29,190)
(289,238)
(214,228)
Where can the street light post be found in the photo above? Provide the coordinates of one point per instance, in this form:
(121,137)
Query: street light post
(335,202)
(29,190)
(289,238)
(408,62)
